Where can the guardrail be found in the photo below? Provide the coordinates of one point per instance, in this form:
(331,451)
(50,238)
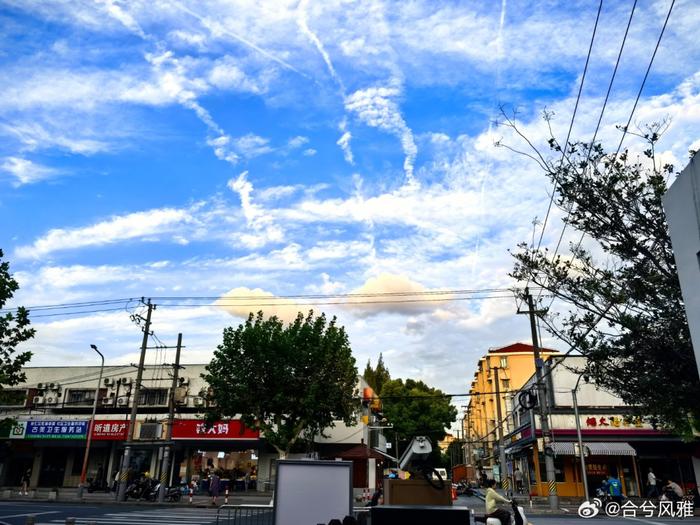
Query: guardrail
(264,515)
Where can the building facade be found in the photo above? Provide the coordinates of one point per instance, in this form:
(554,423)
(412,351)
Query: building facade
(615,441)
(515,364)
(52,410)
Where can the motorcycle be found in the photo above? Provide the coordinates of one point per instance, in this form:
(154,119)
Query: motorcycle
(172,494)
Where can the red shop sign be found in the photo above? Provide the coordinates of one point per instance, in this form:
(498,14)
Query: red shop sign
(104,429)
(198,429)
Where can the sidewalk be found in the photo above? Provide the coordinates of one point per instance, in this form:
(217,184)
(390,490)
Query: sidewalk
(108,498)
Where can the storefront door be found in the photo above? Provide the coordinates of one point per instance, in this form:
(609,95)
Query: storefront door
(53,469)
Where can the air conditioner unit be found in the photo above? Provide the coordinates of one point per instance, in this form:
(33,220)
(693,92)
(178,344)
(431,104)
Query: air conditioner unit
(122,401)
(107,401)
(51,400)
(198,401)
(184,381)
(125,381)
(41,386)
(38,400)
(109,382)
(54,386)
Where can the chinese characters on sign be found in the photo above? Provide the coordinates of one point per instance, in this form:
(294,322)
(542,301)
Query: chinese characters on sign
(614,422)
(56,429)
(197,429)
(596,469)
(646,509)
(104,430)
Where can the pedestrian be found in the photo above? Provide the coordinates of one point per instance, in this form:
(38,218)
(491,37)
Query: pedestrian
(614,488)
(652,490)
(26,478)
(673,491)
(214,481)
(518,479)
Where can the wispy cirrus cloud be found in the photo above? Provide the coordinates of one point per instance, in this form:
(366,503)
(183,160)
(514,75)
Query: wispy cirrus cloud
(24,171)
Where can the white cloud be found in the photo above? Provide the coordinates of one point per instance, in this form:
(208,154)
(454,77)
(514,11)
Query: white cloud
(309,152)
(297,142)
(25,171)
(240,302)
(376,107)
(262,229)
(251,145)
(138,225)
(344,143)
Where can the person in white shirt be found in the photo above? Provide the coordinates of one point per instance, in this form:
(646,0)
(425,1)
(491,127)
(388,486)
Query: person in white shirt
(652,489)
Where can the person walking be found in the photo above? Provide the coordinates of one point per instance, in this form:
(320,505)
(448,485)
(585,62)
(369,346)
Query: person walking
(26,478)
(518,475)
(652,489)
(214,486)
(614,488)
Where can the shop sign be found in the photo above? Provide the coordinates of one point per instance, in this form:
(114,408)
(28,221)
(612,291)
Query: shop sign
(596,469)
(104,430)
(18,430)
(198,429)
(613,422)
(56,429)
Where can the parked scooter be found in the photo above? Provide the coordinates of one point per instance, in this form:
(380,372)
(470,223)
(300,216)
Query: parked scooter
(172,494)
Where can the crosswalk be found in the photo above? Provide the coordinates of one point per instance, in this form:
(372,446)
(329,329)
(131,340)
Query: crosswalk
(161,516)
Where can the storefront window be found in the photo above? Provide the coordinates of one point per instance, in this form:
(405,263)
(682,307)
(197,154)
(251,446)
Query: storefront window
(558,468)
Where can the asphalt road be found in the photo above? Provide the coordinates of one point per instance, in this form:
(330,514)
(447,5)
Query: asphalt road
(55,514)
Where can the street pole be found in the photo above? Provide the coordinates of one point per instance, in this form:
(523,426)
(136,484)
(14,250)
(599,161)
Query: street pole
(543,406)
(123,471)
(165,470)
(503,471)
(83,472)
(580,441)
(468,460)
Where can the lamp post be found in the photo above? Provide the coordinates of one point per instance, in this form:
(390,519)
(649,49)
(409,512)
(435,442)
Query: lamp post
(83,473)
(580,440)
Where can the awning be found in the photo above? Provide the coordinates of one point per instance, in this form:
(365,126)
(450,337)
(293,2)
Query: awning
(600,448)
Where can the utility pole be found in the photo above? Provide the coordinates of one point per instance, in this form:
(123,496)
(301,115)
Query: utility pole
(542,405)
(503,470)
(165,471)
(123,471)
(468,459)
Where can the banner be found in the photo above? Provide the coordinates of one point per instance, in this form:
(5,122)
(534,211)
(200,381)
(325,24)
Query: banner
(110,430)
(198,429)
(56,429)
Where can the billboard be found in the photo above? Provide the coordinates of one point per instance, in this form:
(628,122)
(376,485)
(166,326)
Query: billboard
(199,429)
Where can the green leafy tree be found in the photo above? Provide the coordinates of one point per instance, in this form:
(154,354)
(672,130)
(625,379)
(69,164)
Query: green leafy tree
(415,409)
(376,377)
(14,330)
(626,313)
(288,381)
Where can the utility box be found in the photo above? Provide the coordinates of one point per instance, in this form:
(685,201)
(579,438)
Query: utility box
(415,492)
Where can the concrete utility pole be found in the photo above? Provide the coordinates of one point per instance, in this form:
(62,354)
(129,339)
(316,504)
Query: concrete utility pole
(542,405)
(123,471)
(88,441)
(503,470)
(165,471)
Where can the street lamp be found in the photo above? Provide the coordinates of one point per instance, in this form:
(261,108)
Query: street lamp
(83,473)
(580,439)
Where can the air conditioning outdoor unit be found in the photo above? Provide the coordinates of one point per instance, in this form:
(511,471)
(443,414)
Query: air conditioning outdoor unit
(41,386)
(122,401)
(198,401)
(109,382)
(107,401)
(38,400)
(51,400)
(125,381)
(184,381)
(54,386)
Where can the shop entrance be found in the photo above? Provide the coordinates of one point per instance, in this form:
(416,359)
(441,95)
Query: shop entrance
(237,469)
(53,469)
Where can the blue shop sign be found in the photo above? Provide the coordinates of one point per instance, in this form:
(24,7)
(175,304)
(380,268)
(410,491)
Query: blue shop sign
(56,429)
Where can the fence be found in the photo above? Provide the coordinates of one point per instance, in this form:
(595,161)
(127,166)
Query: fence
(264,515)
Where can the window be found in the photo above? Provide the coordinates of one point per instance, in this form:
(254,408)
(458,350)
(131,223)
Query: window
(506,384)
(558,468)
(13,398)
(153,397)
(504,362)
(81,397)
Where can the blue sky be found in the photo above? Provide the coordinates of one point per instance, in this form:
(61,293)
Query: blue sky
(236,148)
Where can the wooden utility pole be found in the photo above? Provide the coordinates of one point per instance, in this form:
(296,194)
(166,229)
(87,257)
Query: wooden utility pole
(165,471)
(124,470)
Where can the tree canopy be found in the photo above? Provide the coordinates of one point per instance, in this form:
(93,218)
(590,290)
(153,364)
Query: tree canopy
(626,313)
(287,381)
(14,330)
(415,409)
(376,377)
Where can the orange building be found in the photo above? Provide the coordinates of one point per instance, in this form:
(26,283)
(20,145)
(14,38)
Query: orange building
(516,365)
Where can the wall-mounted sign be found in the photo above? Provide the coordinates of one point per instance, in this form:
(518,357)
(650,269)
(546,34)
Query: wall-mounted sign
(198,429)
(56,429)
(596,469)
(106,430)
(18,429)
(614,422)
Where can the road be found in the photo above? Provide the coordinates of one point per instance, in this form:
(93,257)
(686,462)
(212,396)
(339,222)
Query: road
(56,514)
